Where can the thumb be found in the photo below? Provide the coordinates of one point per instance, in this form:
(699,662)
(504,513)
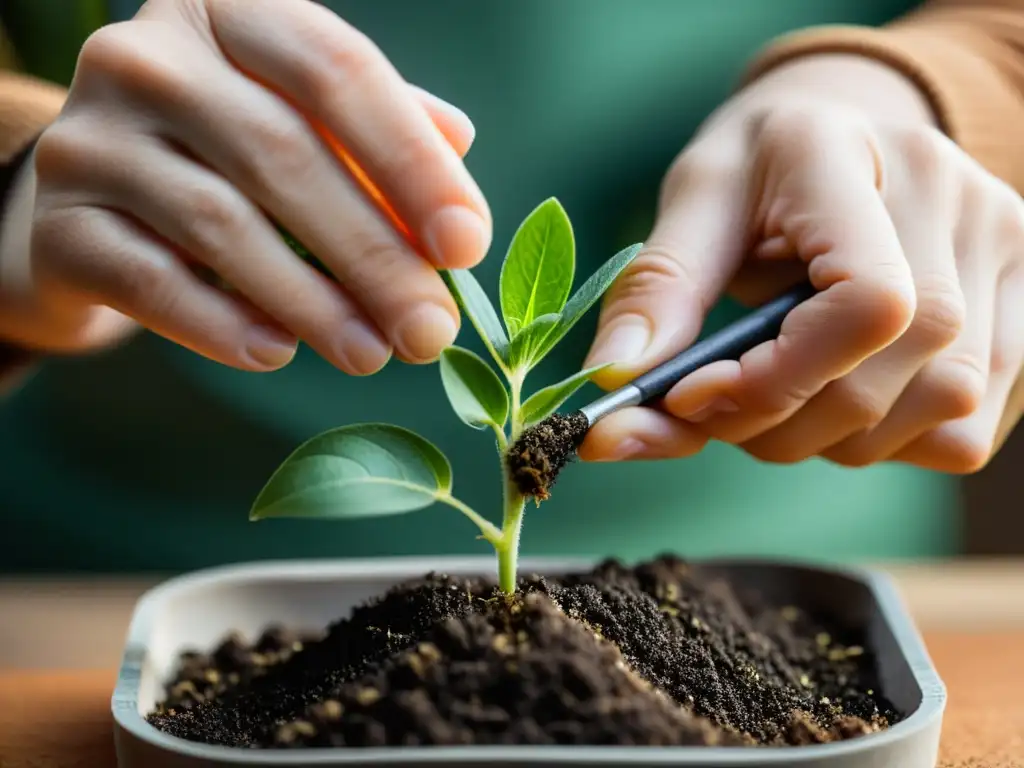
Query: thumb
(656,307)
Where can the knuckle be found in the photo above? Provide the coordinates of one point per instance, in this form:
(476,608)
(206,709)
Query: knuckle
(339,62)
(925,150)
(411,157)
(1007,355)
(791,124)
(765,452)
(656,268)
(957,385)
(941,312)
(60,149)
(379,271)
(119,54)
(965,448)
(1011,230)
(215,221)
(864,408)
(143,282)
(279,151)
(851,456)
(695,170)
(804,125)
(887,306)
(106,50)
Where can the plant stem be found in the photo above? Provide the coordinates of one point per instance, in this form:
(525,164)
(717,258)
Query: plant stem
(514,503)
(508,549)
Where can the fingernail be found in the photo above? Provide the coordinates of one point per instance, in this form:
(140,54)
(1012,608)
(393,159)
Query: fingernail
(270,347)
(624,340)
(425,332)
(456,115)
(716,406)
(362,348)
(457,237)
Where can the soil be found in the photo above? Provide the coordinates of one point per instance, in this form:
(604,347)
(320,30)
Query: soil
(542,451)
(660,654)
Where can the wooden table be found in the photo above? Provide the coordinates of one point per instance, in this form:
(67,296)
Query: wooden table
(55,700)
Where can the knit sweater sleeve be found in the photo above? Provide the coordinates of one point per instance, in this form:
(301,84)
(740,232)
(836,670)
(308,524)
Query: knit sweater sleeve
(966,56)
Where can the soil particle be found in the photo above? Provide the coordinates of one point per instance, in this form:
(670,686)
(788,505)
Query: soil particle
(530,677)
(660,654)
(543,450)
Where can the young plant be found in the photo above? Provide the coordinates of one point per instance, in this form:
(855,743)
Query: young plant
(365,470)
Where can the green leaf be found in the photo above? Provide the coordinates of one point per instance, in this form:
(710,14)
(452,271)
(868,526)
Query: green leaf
(362,470)
(524,346)
(587,296)
(537,274)
(478,308)
(476,393)
(544,402)
(303,252)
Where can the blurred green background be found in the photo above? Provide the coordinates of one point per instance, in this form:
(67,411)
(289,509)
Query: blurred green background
(147,458)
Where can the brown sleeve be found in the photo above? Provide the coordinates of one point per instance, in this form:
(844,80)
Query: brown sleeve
(967,56)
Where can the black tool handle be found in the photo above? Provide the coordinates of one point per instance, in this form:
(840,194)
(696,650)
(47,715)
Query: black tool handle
(730,343)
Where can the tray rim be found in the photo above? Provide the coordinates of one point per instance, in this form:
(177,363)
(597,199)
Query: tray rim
(128,721)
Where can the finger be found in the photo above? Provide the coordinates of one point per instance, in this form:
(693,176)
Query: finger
(454,124)
(950,386)
(921,207)
(111,259)
(204,216)
(821,194)
(657,305)
(269,153)
(640,433)
(704,392)
(338,77)
(965,445)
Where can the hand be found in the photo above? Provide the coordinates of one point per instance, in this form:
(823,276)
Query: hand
(192,128)
(915,342)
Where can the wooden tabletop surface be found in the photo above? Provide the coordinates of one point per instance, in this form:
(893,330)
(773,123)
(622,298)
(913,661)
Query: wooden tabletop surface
(60,641)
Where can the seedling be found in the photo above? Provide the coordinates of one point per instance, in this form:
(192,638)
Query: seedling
(365,470)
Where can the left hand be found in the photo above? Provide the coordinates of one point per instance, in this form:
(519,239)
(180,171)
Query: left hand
(912,351)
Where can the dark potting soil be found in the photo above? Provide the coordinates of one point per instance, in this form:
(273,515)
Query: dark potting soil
(660,654)
(541,452)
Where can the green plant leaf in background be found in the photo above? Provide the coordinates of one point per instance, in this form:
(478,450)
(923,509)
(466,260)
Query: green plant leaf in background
(476,393)
(523,348)
(303,252)
(478,308)
(587,296)
(537,274)
(362,470)
(544,402)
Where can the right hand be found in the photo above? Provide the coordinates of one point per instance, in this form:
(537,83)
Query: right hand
(188,130)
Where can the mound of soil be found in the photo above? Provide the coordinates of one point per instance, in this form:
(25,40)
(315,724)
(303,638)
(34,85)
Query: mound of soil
(661,654)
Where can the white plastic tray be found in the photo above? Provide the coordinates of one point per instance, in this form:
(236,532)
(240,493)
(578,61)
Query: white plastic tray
(196,610)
